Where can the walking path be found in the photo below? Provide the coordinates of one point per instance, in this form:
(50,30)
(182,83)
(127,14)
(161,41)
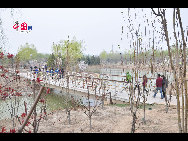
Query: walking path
(119,90)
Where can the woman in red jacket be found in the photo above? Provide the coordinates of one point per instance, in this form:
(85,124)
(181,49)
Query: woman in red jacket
(144,83)
(159,82)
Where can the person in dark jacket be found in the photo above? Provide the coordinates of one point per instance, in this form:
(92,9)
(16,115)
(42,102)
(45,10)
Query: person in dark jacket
(52,71)
(164,85)
(62,72)
(159,82)
(31,68)
(46,67)
(59,73)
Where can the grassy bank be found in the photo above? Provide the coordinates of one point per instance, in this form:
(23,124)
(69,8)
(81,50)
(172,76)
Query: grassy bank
(55,102)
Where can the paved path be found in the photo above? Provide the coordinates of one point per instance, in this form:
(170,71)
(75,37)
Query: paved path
(117,92)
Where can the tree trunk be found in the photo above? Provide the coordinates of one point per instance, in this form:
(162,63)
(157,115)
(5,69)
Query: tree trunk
(69,117)
(164,23)
(90,123)
(144,109)
(184,62)
(34,112)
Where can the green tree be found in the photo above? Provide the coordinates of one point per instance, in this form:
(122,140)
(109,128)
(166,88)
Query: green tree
(88,61)
(51,61)
(42,56)
(71,51)
(103,55)
(57,50)
(91,60)
(27,52)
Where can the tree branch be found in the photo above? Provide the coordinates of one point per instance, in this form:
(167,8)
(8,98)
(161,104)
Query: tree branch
(156,13)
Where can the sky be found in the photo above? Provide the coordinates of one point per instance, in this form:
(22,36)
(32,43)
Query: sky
(99,28)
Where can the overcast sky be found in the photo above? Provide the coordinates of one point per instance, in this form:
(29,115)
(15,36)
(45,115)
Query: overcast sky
(99,28)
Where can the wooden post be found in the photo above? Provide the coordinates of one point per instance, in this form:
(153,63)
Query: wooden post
(31,111)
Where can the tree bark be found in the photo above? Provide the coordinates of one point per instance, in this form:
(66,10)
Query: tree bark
(184,62)
(164,23)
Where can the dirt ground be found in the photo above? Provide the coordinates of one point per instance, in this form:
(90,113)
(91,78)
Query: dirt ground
(112,119)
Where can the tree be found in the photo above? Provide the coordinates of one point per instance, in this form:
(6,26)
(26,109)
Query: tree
(57,51)
(42,56)
(71,51)
(91,60)
(103,55)
(27,52)
(3,36)
(88,60)
(176,67)
(51,61)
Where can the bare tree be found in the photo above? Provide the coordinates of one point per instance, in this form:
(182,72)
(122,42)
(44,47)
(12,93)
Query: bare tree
(89,110)
(161,13)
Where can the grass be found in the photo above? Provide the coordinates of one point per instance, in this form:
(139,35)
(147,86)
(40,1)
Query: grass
(147,106)
(121,105)
(141,106)
(55,102)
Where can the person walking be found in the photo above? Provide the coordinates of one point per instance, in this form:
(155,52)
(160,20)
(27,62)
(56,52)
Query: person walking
(52,70)
(57,70)
(43,68)
(62,72)
(144,83)
(164,85)
(59,73)
(46,67)
(31,68)
(36,70)
(128,77)
(159,82)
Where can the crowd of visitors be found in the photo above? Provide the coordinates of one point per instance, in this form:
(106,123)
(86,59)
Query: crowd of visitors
(51,71)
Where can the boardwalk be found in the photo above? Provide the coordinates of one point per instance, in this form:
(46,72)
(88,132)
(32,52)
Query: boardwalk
(79,83)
